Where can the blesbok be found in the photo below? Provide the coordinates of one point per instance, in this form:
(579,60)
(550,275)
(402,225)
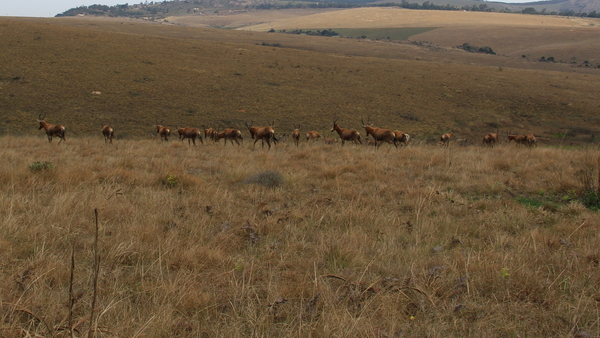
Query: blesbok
(52,129)
(190,134)
(490,139)
(312,136)
(231,135)
(109,133)
(209,134)
(163,132)
(346,134)
(329,140)
(265,134)
(530,140)
(296,135)
(519,139)
(445,139)
(380,135)
(401,137)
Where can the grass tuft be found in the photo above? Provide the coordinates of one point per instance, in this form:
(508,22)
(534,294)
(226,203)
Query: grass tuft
(269,179)
(41,166)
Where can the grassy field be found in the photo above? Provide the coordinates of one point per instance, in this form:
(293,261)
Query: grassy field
(208,77)
(379,17)
(311,241)
(513,35)
(314,241)
(383,33)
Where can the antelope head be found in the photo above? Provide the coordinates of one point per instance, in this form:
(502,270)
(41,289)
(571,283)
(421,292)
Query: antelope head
(334,124)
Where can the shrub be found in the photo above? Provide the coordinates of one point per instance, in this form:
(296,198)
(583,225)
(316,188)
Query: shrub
(40,166)
(591,199)
(473,49)
(171,181)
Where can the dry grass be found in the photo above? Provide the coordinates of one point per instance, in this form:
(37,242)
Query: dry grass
(317,241)
(373,17)
(563,38)
(53,65)
(422,241)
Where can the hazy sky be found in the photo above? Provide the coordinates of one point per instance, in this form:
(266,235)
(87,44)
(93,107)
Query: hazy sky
(49,8)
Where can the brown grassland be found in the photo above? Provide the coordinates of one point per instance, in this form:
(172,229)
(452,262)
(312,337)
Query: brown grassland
(311,241)
(221,78)
(203,241)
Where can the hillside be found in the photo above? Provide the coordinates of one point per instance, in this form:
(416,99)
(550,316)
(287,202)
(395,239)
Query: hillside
(194,78)
(570,40)
(160,10)
(576,6)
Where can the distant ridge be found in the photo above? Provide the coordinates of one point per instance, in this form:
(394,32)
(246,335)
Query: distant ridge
(536,3)
(576,6)
(157,11)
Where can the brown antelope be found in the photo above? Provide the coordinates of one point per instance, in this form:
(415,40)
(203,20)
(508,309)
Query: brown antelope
(329,140)
(519,139)
(163,132)
(380,135)
(52,129)
(490,139)
(210,134)
(296,135)
(445,139)
(231,135)
(346,134)
(109,133)
(265,134)
(312,136)
(401,137)
(190,134)
(530,140)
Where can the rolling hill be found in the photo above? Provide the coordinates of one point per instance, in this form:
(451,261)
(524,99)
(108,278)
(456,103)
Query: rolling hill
(160,10)
(195,76)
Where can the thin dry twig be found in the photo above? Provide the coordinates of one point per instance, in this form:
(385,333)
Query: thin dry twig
(71,298)
(92,331)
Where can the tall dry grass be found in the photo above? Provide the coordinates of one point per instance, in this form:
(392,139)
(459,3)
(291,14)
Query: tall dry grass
(315,241)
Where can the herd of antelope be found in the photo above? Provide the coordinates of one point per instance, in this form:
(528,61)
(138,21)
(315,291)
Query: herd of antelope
(375,136)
